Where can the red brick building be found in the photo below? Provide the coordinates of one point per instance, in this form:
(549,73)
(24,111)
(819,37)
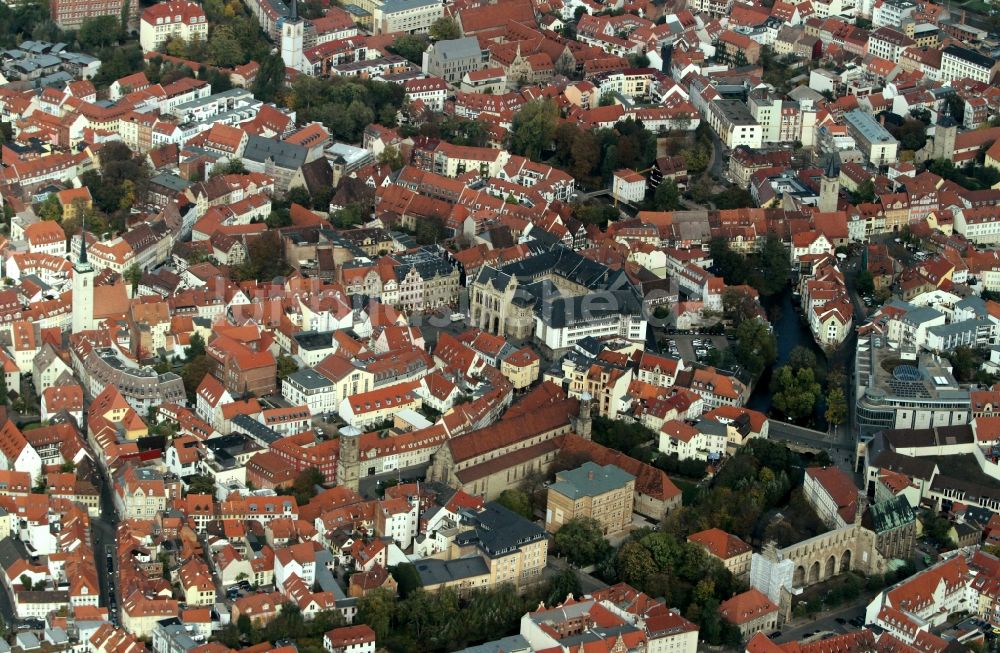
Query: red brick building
(70,14)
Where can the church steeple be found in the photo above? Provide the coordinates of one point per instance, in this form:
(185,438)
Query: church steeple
(292,34)
(82,262)
(829,185)
(83,289)
(832,167)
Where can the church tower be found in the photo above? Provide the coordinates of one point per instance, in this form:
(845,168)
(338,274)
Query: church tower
(943,143)
(829,186)
(291,38)
(349,462)
(83,289)
(584,420)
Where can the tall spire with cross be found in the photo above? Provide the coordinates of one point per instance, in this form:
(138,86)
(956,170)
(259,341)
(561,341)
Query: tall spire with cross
(83,244)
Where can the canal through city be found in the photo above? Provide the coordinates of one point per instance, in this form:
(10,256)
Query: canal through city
(791,331)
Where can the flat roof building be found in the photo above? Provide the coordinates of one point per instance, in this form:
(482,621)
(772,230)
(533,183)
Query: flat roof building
(872,138)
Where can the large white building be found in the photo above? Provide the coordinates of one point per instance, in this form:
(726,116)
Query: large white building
(406,16)
(958,62)
(177,18)
(890,13)
(310,388)
(735,125)
(872,138)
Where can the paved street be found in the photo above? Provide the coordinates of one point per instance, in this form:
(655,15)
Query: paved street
(104,531)
(368,485)
(588,583)
(795,629)
(837,444)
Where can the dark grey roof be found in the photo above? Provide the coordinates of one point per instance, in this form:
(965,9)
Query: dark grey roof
(310,379)
(498,531)
(832,166)
(971,56)
(254,429)
(11,551)
(434,572)
(922,468)
(463,48)
(171,181)
(564,311)
(290,156)
(499,279)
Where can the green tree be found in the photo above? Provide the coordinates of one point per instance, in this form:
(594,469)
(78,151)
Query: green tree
(756,347)
(796,392)
(50,209)
(865,283)
(562,585)
(196,347)
(411,47)
(392,157)
(836,406)
(132,276)
(270,78)
(445,28)
(965,363)
(193,373)
(597,213)
(244,625)
(265,259)
(201,484)
(429,230)
(732,267)
(26,582)
(99,32)
(865,192)
(775,267)
(516,501)
(801,358)
(377,609)
(407,579)
(638,60)
(667,196)
(286,366)
(224,49)
(936,529)
(304,486)
(533,128)
(4,391)
(634,563)
(581,541)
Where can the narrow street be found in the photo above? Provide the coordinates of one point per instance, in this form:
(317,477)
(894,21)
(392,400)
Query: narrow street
(104,531)
(796,629)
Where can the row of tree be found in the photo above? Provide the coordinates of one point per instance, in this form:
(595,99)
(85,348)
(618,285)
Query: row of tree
(590,156)
(419,621)
(345,105)
(797,388)
(767,271)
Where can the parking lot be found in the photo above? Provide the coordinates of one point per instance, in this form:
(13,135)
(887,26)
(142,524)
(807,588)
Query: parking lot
(693,348)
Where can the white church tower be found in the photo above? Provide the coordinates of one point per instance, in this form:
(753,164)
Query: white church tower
(291,38)
(83,289)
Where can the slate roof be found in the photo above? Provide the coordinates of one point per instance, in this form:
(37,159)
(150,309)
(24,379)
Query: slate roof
(285,155)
